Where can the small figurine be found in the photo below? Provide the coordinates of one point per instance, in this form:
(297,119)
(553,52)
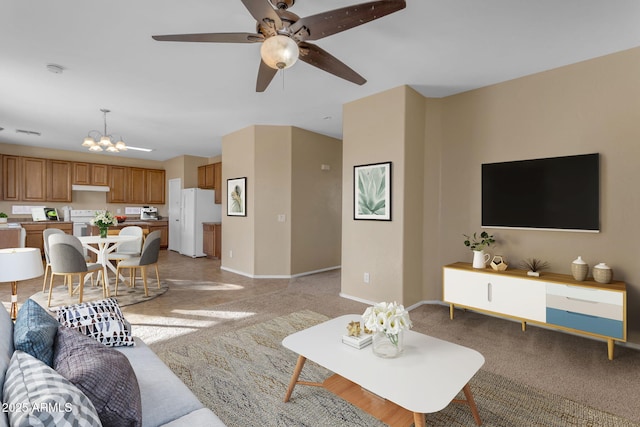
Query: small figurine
(354,329)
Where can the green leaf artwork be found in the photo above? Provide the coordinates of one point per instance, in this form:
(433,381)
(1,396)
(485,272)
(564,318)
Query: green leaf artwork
(372,198)
(372,186)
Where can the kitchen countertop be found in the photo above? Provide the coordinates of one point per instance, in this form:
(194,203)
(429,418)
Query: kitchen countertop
(30,221)
(214,223)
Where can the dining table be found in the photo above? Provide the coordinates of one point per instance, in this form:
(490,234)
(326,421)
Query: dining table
(102,247)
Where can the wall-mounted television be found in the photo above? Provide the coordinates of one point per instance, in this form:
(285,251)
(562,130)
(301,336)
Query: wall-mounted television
(557,193)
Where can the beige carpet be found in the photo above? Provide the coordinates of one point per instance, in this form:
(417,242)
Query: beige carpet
(126,295)
(242,376)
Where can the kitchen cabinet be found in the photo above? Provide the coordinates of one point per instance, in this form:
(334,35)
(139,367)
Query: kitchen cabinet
(90,174)
(34,179)
(137,186)
(58,181)
(155,186)
(212,239)
(163,226)
(9,237)
(118,184)
(34,232)
(210,177)
(10,178)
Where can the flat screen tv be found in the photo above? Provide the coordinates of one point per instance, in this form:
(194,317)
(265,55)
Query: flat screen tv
(558,193)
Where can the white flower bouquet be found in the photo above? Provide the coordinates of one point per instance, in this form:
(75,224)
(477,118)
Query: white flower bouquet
(387,318)
(104,219)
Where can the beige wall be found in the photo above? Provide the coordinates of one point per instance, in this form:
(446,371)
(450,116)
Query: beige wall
(374,131)
(593,106)
(238,231)
(282,166)
(315,201)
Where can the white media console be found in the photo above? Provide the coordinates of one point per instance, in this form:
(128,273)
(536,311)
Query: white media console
(554,300)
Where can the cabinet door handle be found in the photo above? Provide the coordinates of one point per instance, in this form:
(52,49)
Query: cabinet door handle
(489,291)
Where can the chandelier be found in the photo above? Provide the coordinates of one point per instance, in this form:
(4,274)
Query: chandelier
(96,141)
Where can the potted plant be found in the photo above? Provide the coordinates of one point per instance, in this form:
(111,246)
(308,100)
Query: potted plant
(3,218)
(477,244)
(534,265)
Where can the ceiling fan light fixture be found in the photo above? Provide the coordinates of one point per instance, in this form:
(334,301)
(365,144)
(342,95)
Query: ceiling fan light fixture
(279,52)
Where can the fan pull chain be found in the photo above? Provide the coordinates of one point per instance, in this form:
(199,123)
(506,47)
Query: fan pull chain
(283,80)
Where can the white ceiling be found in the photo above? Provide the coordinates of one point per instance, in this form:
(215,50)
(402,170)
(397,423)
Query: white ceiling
(182,98)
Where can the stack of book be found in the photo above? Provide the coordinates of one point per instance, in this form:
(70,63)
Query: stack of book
(360,341)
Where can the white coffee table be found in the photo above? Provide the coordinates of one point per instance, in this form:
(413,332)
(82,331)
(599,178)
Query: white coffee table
(424,379)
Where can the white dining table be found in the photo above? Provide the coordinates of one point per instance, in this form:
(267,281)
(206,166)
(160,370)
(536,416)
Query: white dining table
(105,245)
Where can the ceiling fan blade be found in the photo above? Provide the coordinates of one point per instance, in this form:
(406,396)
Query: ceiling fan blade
(324,24)
(265,75)
(212,38)
(318,57)
(261,10)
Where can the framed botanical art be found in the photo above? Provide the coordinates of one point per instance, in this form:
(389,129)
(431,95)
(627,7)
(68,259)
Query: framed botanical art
(372,192)
(237,197)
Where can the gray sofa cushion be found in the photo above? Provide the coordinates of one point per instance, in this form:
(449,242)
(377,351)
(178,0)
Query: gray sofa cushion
(39,396)
(201,417)
(164,397)
(103,374)
(6,350)
(34,331)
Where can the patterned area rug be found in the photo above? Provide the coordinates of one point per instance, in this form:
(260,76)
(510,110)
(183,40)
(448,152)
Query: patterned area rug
(243,375)
(126,295)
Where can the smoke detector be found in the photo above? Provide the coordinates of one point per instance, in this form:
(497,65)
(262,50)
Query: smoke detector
(55,68)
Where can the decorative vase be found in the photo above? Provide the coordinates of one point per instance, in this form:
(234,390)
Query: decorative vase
(480,259)
(579,269)
(387,346)
(103,232)
(602,273)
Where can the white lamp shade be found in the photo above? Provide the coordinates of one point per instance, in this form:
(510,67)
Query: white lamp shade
(120,145)
(95,148)
(88,142)
(20,264)
(279,52)
(105,141)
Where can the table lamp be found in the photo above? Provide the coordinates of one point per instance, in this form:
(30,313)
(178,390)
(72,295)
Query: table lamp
(19,264)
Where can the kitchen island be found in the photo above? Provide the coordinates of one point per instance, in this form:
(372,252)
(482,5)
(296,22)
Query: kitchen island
(10,236)
(34,230)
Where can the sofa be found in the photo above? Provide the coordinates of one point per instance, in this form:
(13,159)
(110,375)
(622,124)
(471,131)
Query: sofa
(163,399)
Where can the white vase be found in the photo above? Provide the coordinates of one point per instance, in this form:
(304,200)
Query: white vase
(387,346)
(480,259)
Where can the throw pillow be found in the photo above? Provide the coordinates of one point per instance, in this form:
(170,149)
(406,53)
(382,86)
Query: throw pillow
(36,395)
(101,320)
(34,331)
(103,374)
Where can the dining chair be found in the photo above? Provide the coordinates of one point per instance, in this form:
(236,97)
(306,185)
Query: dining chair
(45,239)
(128,249)
(67,259)
(148,257)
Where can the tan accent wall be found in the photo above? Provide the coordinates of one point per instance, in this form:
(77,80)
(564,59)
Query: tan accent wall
(316,197)
(282,166)
(238,232)
(593,106)
(376,130)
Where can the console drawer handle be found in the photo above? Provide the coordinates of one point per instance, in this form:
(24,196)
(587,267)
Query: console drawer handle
(489,291)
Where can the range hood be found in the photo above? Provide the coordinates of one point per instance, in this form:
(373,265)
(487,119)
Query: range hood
(100,188)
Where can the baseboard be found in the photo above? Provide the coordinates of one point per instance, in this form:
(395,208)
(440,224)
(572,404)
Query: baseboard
(279,276)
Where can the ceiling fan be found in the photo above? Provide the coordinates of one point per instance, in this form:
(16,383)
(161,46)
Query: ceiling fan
(285,36)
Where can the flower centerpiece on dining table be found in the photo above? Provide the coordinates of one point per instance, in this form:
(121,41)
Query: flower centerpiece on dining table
(387,322)
(103,220)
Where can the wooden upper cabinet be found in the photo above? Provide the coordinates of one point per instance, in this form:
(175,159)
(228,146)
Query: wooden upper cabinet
(11,178)
(206,176)
(58,181)
(155,181)
(118,184)
(217,182)
(34,179)
(90,174)
(137,186)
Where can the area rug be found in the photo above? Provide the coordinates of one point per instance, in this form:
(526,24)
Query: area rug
(243,375)
(126,295)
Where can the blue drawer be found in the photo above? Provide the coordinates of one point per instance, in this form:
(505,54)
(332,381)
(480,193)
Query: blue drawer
(585,322)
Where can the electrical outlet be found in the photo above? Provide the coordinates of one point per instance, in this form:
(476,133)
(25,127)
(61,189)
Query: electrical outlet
(366,277)
(282,218)
(118,211)
(230,254)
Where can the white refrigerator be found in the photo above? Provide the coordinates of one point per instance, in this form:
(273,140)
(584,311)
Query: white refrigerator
(197,206)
